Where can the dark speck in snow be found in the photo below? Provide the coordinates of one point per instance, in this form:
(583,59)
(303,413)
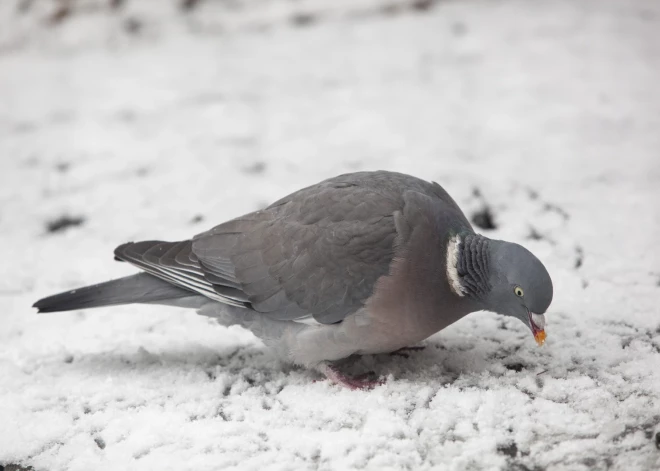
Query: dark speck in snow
(63,222)
(509,449)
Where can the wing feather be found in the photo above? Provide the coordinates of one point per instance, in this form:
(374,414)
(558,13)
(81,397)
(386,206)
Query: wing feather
(161,259)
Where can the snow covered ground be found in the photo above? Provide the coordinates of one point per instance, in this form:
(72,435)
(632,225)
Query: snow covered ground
(147,121)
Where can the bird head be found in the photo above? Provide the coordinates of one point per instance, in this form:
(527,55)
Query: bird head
(520,286)
(502,277)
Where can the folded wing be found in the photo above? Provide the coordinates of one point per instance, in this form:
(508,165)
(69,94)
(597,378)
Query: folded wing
(316,253)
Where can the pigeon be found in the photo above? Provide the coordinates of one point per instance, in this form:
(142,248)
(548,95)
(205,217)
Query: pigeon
(362,263)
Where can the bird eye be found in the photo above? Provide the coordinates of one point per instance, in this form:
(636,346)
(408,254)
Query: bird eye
(519,291)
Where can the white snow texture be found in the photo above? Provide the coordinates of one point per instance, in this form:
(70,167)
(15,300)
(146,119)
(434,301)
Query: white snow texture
(159,119)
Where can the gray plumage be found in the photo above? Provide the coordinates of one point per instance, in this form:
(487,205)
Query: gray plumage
(138,288)
(361,263)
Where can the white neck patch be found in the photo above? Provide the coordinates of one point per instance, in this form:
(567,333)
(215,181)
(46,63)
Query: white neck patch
(453,247)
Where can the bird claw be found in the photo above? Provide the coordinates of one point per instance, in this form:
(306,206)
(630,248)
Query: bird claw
(364,381)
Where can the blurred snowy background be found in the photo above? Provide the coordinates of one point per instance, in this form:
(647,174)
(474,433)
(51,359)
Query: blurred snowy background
(157,119)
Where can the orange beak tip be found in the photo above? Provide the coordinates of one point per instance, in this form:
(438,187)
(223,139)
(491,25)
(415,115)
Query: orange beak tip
(540,336)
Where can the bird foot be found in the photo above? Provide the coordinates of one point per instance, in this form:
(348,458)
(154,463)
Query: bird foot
(403,352)
(364,381)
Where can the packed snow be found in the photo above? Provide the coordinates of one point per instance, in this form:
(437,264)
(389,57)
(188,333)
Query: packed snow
(144,121)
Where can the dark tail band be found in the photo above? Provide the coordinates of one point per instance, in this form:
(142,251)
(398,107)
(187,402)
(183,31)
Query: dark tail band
(139,288)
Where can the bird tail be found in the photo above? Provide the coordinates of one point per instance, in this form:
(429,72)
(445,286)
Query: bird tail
(139,288)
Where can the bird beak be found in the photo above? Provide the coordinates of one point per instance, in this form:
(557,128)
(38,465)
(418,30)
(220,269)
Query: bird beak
(537,323)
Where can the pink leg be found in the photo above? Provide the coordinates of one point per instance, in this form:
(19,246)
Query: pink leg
(357,382)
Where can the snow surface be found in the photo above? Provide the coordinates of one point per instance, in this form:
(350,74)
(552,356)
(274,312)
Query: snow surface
(144,119)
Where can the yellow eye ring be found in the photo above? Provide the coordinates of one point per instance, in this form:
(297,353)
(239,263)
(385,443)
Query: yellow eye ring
(519,291)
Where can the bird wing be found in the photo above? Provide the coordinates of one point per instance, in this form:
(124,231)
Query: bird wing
(316,253)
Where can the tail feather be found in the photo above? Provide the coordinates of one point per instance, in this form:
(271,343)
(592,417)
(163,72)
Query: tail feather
(139,288)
